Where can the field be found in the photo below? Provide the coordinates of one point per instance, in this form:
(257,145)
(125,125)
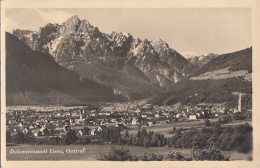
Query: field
(92,151)
(166,128)
(224,73)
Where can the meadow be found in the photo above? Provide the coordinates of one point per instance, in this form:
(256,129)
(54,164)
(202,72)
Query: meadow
(165,129)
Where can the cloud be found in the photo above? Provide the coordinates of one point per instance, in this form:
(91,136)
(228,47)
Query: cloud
(54,15)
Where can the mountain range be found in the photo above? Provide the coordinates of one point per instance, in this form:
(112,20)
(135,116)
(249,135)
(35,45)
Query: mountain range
(34,78)
(117,59)
(112,66)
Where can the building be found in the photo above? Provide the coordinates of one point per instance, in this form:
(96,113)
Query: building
(37,133)
(179,115)
(93,132)
(150,123)
(144,115)
(135,121)
(193,117)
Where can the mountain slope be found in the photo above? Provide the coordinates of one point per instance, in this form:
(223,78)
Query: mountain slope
(239,60)
(202,87)
(133,67)
(34,78)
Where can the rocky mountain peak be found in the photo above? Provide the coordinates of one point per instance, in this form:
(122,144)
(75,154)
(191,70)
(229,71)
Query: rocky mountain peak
(159,45)
(71,25)
(74,19)
(77,42)
(84,26)
(121,35)
(160,42)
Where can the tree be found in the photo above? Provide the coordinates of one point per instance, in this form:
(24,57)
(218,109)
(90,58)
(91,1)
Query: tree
(150,134)
(207,122)
(178,131)
(217,128)
(116,135)
(86,130)
(117,154)
(126,135)
(46,132)
(130,140)
(143,133)
(155,139)
(159,143)
(70,137)
(179,157)
(146,142)
(139,134)
(8,136)
(173,130)
(51,132)
(19,137)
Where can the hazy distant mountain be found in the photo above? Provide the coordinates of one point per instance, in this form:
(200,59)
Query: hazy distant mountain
(133,67)
(34,78)
(214,82)
(199,61)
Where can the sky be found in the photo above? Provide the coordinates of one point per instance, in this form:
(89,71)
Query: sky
(187,30)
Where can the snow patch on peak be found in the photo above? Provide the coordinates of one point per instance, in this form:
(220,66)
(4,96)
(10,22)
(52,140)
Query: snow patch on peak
(190,54)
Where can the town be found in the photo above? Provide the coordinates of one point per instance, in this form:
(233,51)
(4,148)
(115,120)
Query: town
(88,121)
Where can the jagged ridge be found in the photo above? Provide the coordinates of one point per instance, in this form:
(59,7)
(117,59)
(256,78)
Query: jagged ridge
(129,65)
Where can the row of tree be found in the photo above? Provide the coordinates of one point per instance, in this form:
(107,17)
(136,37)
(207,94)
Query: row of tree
(142,138)
(225,138)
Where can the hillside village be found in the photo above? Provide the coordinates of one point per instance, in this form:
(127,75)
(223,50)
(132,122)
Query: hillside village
(89,121)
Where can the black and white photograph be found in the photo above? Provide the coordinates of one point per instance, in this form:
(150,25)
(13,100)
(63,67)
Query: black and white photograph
(128,84)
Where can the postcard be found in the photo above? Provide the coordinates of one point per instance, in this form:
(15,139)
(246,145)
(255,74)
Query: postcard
(129,83)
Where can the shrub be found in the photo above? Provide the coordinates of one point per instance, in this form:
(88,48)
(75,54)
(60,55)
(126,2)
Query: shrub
(175,156)
(117,154)
(208,155)
(151,157)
